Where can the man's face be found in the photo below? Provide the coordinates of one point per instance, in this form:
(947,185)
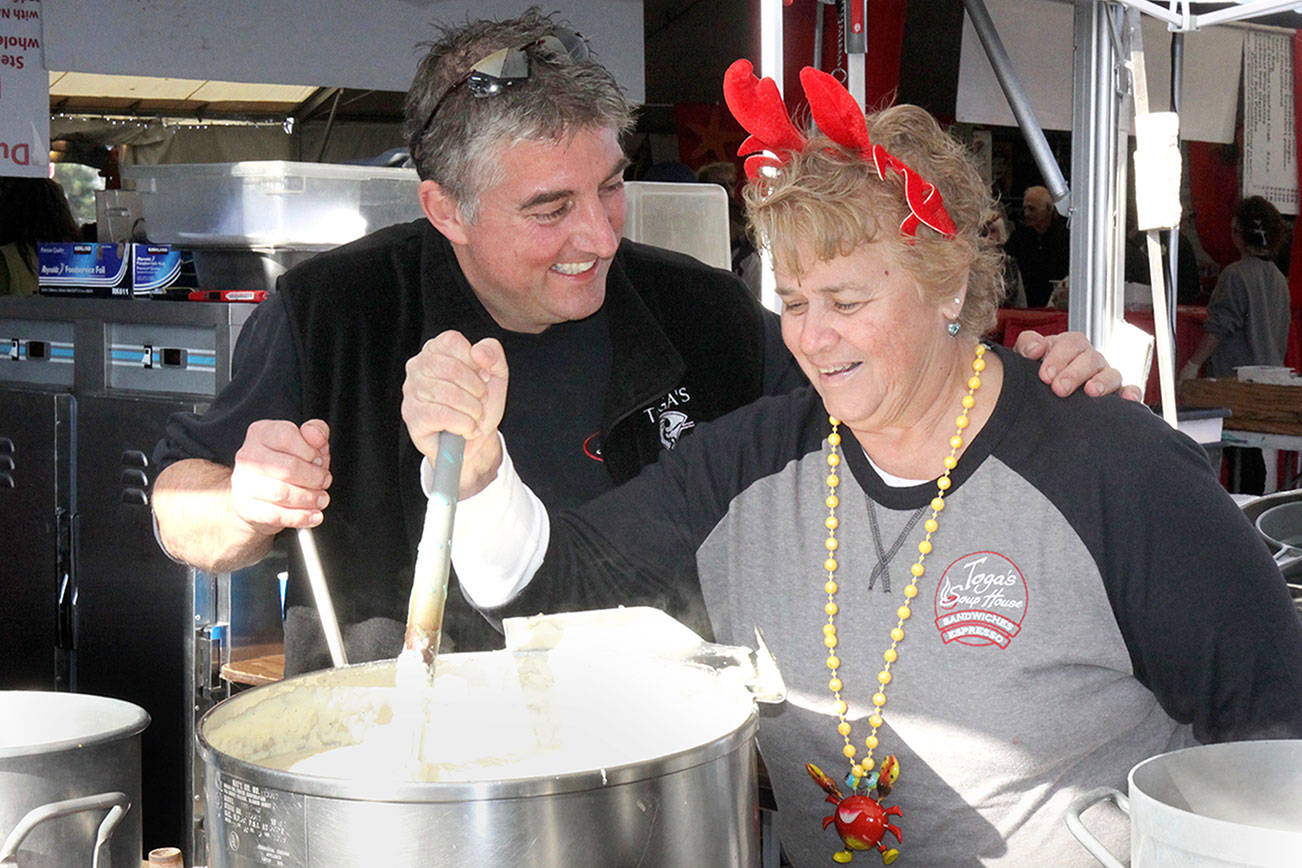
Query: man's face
(1037,212)
(540,250)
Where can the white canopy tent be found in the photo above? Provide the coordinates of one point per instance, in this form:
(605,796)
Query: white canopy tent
(160,62)
(316,43)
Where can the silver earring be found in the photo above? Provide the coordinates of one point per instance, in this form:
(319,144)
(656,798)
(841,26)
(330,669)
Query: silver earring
(953,328)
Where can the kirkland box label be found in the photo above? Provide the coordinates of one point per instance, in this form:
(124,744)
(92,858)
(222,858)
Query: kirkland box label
(157,267)
(83,269)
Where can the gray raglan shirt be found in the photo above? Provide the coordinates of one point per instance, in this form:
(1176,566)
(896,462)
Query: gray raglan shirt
(1093,598)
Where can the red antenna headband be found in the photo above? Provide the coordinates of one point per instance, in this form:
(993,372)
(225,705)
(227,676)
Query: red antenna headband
(758,106)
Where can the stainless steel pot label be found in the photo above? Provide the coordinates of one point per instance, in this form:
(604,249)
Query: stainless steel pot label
(259,825)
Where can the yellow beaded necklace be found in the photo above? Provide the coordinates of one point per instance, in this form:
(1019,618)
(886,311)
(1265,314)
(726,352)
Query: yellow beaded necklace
(864,766)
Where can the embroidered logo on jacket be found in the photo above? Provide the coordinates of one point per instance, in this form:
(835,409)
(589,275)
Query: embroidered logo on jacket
(671,423)
(981,600)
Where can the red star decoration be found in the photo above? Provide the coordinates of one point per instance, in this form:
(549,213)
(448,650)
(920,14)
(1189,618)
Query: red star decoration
(706,133)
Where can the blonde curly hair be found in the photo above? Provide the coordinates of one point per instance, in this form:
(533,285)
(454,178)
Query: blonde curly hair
(829,201)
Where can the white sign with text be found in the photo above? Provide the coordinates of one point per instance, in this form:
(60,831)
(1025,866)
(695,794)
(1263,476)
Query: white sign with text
(24,92)
(1269,150)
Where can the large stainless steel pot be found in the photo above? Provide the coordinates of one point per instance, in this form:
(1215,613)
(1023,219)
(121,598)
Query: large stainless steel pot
(1211,806)
(1288,559)
(691,806)
(69,780)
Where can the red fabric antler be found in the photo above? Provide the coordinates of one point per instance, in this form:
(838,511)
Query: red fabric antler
(758,107)
(837,115)
(835,111)
(757,104)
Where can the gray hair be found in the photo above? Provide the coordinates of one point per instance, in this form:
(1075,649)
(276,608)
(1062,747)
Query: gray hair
(459,150)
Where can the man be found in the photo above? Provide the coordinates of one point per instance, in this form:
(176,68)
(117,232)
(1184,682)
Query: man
(1041,246)
(616,349)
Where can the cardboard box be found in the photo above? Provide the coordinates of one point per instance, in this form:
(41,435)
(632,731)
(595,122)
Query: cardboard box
(83,269)
(156,268)
(1262,407)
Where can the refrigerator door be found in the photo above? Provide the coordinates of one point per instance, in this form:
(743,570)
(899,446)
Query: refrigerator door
(134,613)
(36,517)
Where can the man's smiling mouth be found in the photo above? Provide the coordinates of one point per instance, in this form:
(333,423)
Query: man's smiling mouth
(572,268)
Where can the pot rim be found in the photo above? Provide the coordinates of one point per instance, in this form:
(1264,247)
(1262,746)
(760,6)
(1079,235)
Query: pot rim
(459,791)
(135,719)
(1207,831)
(486,790)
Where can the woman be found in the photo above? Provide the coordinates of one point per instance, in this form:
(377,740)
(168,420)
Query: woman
(32,210)
(1247,317)
(951,565)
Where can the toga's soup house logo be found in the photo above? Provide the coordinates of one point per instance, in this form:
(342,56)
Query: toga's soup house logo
(981,600)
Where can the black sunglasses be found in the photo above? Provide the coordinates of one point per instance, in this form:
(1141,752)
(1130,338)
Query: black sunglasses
(491,75)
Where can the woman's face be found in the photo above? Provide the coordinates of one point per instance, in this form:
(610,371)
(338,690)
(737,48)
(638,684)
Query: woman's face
(864,337)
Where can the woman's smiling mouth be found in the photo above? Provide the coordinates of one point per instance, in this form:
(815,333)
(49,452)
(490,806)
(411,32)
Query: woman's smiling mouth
(837,370)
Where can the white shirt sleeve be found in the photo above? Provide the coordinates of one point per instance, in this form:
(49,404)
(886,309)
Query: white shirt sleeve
(499,535)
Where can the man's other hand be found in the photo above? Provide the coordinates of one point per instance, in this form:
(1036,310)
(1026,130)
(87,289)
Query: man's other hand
(1067,361)
(281,475)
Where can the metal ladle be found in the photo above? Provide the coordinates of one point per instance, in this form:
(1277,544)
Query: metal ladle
(321,593)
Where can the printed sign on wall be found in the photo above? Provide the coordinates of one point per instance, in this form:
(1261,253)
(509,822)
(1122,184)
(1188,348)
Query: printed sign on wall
(1269,153)
(24,91)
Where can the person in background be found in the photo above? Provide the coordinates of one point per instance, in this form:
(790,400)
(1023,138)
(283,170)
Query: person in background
(977,668)
(1247,318)
(618,350)
(32,210)
(745,258)
(1041,246)
(1136,269)
(997,231)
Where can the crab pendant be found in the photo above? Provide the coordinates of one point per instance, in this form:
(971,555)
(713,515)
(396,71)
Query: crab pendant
(861,820)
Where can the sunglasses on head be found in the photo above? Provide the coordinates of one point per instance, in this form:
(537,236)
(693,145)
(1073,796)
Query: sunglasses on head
(492,75)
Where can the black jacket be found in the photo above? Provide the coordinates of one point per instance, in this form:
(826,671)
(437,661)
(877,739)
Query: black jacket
(359,312)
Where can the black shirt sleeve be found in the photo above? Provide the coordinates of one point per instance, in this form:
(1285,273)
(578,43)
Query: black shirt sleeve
(1203,610)
(1212,631)
(264,385)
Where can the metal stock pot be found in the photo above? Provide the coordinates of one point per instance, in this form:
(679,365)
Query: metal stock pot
(527,782)
(69,780)
(1283,523)
(1238,803)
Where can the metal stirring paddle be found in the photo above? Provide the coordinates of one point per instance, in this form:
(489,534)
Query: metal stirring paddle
(429,581)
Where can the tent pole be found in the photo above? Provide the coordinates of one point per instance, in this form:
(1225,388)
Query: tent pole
(1018,101)
(1094,168)
(1173,239)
